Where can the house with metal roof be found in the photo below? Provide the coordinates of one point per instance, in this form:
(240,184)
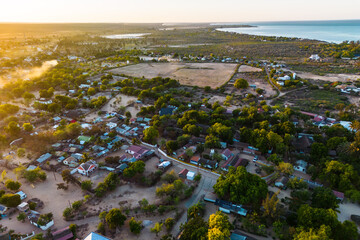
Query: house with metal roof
(44,158)
(95,236)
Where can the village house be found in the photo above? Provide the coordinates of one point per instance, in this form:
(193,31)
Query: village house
(183,173)
(211,164)
(195,160)
(87,168)
(281,182)
(95,236)
(44,158)
(34,218)
(137,151)
(62,234)
(301,166)
(226,154)
(71,162)
(235,162)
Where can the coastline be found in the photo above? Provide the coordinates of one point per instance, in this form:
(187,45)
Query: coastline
(328,31)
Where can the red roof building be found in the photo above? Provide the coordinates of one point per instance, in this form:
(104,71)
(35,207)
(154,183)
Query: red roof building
(182,173)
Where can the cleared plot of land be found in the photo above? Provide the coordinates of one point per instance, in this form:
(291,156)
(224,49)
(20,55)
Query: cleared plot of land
(193,74)
(246,68)
(329,77)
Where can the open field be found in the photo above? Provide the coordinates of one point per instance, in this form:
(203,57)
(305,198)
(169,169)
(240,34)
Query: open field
(329,77)
(246,68)
(315,100)
(193,74)
(253,77)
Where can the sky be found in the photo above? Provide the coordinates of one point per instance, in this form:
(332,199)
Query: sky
(160,11)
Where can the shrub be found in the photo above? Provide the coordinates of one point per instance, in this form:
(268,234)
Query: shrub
(21,217)
(77,204)
(86,185)
(135,226)
(169,223)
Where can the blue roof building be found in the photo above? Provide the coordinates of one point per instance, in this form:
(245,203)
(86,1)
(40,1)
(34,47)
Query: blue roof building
(44,158)
(95,236)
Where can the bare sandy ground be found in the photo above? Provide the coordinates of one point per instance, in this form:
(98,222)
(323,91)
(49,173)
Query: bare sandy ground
(329,77)
(55,201)
(193,74)
(246,68)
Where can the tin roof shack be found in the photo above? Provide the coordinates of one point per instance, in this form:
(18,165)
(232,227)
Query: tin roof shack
(62,234)
(23,207)
(190,176)
(229,207)
(165,165)
(43,158)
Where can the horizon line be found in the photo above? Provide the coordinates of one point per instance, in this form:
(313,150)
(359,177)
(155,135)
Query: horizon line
(205,22)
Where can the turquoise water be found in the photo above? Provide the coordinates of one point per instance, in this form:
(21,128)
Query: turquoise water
(329,31)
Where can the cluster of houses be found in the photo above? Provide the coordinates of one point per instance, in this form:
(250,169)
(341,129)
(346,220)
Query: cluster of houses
(322,121)
(347,89)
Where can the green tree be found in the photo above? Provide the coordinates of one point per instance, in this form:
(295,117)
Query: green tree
(151,134)
(114,218)
(241,83)
(313,234)
(196,210)
(318,151)
(91,91)
(219,227)
(194,229)
(286,168)
(270,205)
(242,187)
(13,128)
(10,200)
(28,127)
(12,185)
(137,167)
(171,146)
(324,198)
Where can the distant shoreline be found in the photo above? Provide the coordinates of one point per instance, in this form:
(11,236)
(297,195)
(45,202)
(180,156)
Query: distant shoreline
(325,31)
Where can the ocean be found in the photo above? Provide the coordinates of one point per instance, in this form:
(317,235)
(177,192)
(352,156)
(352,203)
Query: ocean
(328,31)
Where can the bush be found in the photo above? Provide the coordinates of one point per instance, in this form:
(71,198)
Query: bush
(135,226)
(86,185)
(67,212)
(32,205)
(12,185)
(101,228)
(169,223)
(73,228)
(77,204)
(21,217)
